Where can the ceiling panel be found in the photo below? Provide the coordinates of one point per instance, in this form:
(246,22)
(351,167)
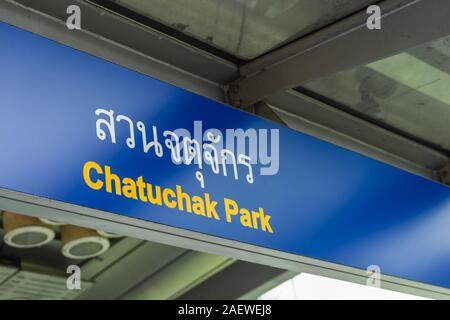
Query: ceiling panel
(244,28)
(408,91)
(25,285)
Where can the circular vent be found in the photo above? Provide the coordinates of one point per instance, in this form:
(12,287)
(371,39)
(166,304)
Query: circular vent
(25,232)
(82,243)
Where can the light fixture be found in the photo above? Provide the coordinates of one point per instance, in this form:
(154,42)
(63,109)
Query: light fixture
(107,234)
(51,222)
(24,231)
(82,243)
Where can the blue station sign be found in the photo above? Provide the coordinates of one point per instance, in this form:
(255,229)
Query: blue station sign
(80,130)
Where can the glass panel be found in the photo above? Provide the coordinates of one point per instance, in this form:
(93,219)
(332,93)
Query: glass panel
(409,91)
(245,28)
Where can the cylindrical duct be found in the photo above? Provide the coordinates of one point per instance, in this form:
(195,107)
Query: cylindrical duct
(82,243)
(25,232)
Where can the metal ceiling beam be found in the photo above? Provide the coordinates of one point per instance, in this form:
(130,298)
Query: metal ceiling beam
(305,114)
(348,43)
